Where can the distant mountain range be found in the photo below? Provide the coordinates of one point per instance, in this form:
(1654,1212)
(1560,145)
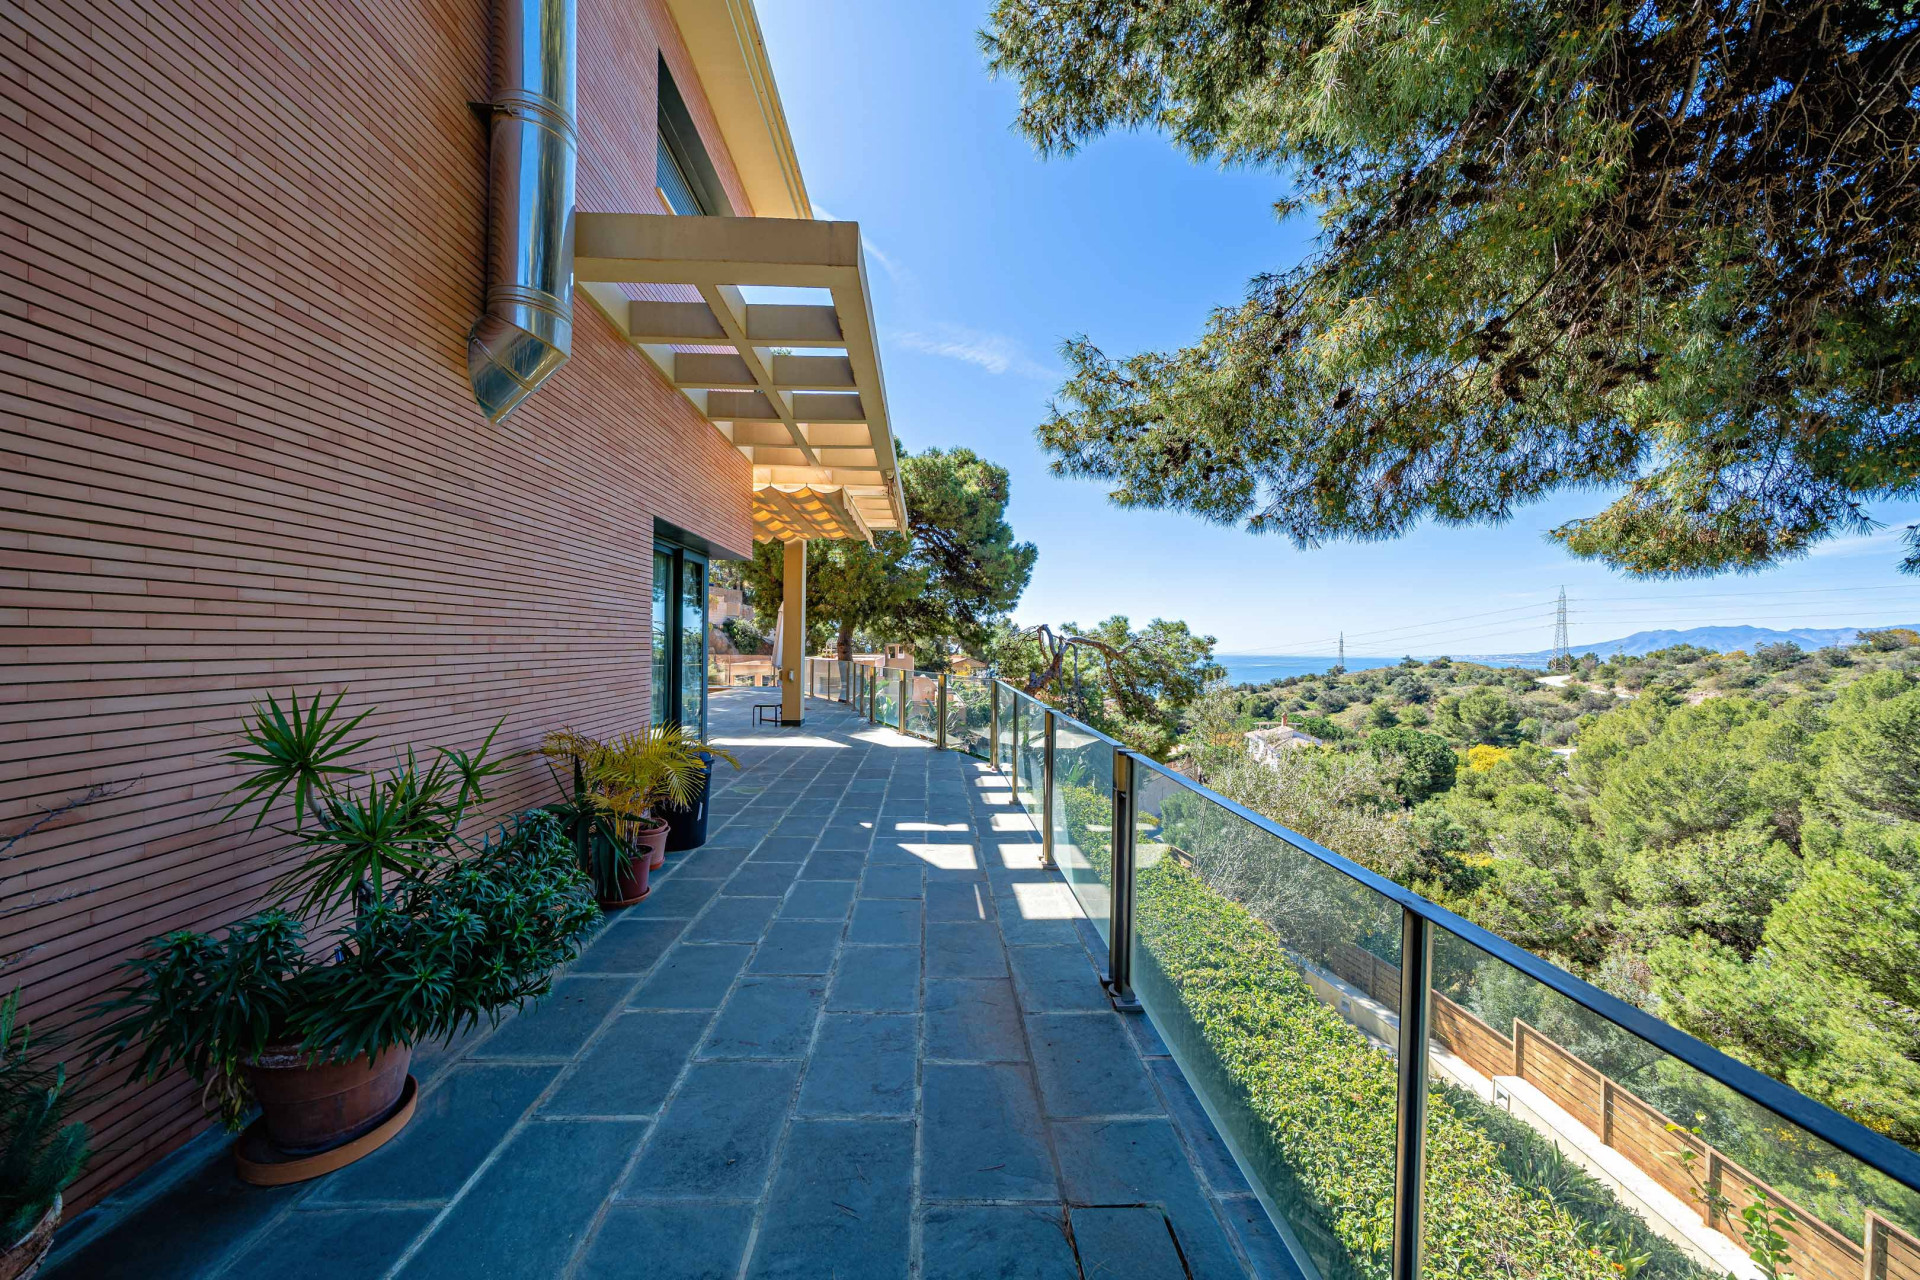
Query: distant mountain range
(1718,639)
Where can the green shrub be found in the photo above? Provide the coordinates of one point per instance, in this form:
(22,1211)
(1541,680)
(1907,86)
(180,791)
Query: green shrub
(1323,1101)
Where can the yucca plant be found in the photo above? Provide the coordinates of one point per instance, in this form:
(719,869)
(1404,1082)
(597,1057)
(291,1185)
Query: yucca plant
(41,1151)
(418,932)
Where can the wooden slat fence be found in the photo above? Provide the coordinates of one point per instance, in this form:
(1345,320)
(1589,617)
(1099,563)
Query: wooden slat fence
(1640,1131)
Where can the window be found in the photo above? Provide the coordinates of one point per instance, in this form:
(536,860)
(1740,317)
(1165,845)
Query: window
(679,637)
(682,170)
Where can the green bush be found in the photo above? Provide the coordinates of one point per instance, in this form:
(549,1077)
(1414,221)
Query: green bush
(1323,1102)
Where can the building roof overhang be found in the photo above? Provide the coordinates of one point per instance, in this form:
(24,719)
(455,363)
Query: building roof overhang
(723,39)
(797,388)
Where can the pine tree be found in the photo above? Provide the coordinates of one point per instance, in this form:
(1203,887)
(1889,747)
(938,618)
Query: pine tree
(1668,249)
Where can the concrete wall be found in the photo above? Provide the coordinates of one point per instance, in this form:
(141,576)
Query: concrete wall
(243,246)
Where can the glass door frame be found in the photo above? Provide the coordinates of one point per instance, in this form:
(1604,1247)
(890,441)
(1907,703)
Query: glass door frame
(679,556)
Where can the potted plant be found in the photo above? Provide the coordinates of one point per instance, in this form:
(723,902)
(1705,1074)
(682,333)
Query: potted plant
(418,934)
(41,1151)
(623,783)
(605,843)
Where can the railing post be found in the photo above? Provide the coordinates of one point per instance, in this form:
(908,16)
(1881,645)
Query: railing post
(993,722)
(1046,793)
(940,714)
(1119,981)
(1013,749)
(906,683)
(1410,1132)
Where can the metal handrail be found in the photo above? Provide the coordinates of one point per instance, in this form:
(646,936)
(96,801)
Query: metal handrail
(1419,918)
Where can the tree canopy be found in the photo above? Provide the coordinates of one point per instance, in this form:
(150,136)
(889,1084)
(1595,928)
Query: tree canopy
(1667,249)
(1132,685)
(954,573)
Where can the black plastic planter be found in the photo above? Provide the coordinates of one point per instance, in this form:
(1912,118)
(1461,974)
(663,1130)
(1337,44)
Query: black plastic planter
(687,828)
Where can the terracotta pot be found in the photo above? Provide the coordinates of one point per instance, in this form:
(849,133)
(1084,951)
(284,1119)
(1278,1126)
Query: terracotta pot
(309,1108)
(654,840)
(23,1257)
(632,885)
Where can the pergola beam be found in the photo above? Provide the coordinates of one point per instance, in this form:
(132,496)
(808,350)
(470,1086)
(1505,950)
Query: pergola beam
(750,386)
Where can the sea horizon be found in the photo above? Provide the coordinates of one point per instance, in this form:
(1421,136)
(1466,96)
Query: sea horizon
(1260,668)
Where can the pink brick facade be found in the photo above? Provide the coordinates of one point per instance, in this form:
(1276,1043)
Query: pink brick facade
(243,247)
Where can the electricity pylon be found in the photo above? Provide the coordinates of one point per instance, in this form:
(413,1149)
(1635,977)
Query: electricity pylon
(1562,655)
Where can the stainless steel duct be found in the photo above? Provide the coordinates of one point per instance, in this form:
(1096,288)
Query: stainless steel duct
(527,330)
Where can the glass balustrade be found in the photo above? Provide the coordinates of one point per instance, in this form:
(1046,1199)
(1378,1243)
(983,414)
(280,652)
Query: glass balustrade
(1565,1134)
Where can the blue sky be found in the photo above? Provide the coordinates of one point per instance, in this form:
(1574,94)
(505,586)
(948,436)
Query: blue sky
(983,257)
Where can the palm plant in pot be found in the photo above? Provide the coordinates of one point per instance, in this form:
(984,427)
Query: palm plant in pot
(418,933)
(41,1151)
(617,786)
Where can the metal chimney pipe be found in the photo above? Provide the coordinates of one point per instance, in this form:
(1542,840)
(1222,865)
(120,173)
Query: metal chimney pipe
(527,330)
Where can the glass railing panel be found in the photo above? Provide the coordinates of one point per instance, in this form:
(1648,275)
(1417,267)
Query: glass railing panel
(1029,778)
(1237,937)
(886,697)
(1083,816)
(1555,1134)
(923,706)
(969,714)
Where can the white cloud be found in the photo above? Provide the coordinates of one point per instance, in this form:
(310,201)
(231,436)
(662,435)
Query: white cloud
(994,352)
(1867,544)
(899,274)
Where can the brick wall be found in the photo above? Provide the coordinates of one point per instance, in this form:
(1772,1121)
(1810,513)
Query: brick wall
(243,246)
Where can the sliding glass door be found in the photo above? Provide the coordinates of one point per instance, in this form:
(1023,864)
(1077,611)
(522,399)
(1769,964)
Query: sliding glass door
(679,637)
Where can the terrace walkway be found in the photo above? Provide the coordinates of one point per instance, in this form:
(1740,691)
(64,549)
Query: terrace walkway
(858,1034)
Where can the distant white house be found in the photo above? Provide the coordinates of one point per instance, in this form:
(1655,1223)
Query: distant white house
(1267,744)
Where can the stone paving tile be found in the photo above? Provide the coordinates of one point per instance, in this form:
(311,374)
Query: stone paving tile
(1141,1162)
(630,945)
(783,847)
(835,1208)
(630,1068)
(858,1132)
(680,895)
(693,976)
(716,1138)
(532,1207)
(950,903)
(798,947)
(885,922)
(691,1241)
(558,1025)
(733,920)
(965,951)
(1135,1243)
(974,1020)
(762,880)
(207,1214)
(454,1127)
(1216,1163)
(818,900)
(981,1134)
(766,1018)
(1087,1067)
(834,864)
(711,863)
(327,1244)
(1056,978)
(862,1064)
(1005,1242)
(877,980)
(891,882)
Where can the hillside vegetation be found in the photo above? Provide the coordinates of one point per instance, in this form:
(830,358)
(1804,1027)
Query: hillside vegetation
(1731,841)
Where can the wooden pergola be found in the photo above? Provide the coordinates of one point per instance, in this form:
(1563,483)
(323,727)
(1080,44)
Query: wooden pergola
(796,387)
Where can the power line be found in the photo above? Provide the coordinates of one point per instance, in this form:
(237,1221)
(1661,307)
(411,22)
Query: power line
(1417,631)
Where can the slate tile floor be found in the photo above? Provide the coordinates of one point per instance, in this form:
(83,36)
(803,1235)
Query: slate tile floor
(859,1034)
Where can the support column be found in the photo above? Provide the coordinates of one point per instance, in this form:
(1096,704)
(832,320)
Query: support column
(793,632)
